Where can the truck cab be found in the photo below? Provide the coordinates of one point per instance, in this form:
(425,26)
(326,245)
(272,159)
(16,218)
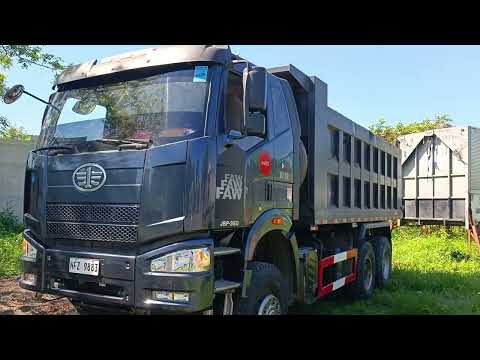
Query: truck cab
(173,180)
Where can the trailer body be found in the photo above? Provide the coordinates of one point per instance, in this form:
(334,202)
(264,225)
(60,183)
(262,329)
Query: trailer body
(441,176)
(190,180)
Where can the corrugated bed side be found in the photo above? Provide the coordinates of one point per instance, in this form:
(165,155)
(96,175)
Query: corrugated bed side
(474,160)
(474,154)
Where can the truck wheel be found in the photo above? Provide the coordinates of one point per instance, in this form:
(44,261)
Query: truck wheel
(266,294)
(363,286)
(383,254)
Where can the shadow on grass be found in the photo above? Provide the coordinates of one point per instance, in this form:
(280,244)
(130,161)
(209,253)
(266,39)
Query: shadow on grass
(408,293)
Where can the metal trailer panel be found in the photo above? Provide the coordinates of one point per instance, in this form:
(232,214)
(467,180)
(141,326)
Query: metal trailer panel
(474,172)
(349,191)
(439,174)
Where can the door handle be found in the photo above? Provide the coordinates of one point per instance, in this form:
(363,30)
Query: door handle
(268,191)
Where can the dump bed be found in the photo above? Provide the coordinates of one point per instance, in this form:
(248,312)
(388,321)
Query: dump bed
(356,176)
(441,175)
(352,175)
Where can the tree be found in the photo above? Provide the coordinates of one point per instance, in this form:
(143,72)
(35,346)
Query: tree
(3,125)
(25,55)
(392,133)
(15,133)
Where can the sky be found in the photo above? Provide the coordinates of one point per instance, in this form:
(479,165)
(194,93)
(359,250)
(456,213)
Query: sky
(365,83)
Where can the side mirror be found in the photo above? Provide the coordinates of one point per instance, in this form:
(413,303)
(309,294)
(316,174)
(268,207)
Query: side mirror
(84,107)
(13,94)
(256,125)
(257,89)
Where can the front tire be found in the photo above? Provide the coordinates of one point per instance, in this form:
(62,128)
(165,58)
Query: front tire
(266,294)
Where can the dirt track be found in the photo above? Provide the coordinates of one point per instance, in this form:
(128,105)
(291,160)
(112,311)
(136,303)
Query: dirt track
(17,301)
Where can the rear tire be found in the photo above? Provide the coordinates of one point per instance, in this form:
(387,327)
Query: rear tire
(364,285)
(267,293)
(383,256)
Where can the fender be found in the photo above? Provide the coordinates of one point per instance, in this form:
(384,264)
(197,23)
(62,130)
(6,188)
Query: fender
(260,228)
(363,228)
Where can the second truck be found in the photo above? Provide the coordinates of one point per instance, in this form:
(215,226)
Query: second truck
(186,179)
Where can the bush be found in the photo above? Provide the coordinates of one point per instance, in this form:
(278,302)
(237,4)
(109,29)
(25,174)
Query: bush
(10,243)
(9,222)
(10,253)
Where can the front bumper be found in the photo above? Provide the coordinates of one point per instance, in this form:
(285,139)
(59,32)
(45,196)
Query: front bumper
(124,280)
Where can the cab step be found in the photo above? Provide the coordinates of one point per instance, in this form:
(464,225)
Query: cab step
(222,286)
(223,250)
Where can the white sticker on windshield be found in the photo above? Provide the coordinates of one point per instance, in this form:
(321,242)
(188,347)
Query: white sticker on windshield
(200,74)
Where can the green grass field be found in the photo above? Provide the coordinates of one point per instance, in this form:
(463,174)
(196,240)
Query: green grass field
(432,274)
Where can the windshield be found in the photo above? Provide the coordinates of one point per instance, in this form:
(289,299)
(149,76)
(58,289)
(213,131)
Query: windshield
(159,109)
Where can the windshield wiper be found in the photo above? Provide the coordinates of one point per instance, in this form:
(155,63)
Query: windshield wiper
(112,141)
(53,147)
(125,141)
(140,141)
(137,144)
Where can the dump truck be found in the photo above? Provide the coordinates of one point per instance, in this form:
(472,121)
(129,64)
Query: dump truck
(441,178)
(186,179)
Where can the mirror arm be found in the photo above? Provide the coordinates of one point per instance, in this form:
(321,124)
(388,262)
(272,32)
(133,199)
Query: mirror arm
(43,101)
(246,97)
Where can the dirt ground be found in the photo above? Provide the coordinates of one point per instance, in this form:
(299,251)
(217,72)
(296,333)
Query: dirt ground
(17,301)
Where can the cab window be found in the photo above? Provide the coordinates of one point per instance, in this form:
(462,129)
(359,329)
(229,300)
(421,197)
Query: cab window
(280,112)
(234,103)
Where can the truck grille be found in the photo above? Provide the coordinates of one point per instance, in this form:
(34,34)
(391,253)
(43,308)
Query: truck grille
(118,214)
(93,222)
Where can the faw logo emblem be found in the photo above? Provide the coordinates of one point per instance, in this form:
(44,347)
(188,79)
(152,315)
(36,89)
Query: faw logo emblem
(230,187)
(265,164)
(89,177)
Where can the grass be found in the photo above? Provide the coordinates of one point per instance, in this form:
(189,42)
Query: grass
(432,274)
(10,244)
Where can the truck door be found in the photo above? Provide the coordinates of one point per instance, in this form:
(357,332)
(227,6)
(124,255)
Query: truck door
(283,146)
(244,166)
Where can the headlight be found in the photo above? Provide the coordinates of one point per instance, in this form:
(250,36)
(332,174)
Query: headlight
(191,260)
(29,252)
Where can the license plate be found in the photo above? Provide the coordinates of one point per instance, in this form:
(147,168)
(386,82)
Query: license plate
(84,266)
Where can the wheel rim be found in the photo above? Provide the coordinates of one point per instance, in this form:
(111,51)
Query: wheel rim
(386,264)
(270,305)
(368,278)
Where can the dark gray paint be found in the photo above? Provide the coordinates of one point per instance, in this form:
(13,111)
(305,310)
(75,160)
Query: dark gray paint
(316,118)
(149,58)
(200,186)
